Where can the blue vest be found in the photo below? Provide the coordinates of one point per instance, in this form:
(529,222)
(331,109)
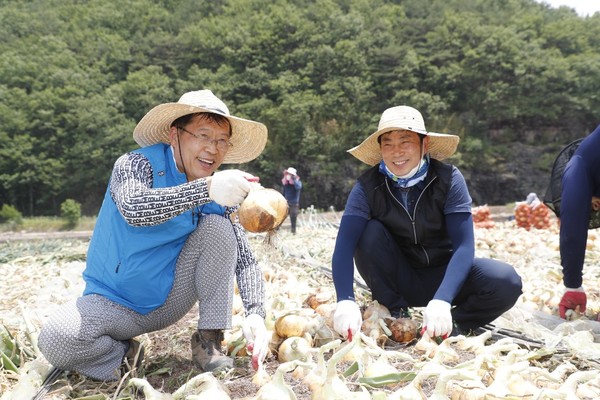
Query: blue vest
(135,265)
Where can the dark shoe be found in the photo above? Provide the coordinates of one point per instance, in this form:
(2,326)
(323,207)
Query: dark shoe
(400,313)
(206,351)
(133,357)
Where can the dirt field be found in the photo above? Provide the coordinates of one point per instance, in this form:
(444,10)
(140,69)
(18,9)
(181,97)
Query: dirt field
(41,274)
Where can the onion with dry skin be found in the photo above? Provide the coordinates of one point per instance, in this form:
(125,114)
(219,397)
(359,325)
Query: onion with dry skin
(322,296)
(294,348)
(263,210)
(296,324)
(403,329)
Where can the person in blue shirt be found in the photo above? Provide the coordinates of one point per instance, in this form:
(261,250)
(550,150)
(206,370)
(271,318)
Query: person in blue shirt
(580,199)
(292,186)
(407,226)
(165,240)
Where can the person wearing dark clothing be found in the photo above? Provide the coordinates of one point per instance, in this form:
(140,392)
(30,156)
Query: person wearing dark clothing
(292,186)
(408,227)
(580,197)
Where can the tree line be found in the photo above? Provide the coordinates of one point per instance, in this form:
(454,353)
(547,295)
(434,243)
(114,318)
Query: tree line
(76,76)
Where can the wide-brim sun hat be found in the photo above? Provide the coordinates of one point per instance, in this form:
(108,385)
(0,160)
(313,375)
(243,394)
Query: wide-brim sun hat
(441,145)
(248,138)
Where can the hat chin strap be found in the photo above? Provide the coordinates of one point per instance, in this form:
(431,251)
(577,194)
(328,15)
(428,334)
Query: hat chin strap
(180,155)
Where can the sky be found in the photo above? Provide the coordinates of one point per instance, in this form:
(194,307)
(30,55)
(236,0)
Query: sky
(582,7)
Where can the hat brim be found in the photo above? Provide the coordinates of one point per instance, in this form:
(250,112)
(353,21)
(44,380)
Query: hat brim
(248,138)
(441,145)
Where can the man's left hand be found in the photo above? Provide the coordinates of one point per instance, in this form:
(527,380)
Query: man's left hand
(257,338)
(437,319)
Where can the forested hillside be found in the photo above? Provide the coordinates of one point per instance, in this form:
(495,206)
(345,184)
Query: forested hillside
(515,79)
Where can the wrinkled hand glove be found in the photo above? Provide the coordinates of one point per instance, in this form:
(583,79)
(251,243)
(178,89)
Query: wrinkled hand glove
(570,300)
(347,319)
(257,338)
(230,187)
(437,319)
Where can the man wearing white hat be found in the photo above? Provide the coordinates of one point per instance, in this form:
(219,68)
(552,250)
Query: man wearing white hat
(164,241)
(292,186)
(408,226)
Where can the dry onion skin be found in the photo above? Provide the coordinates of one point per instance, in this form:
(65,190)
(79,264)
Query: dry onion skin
(294,348)
(263,210)
(403,330)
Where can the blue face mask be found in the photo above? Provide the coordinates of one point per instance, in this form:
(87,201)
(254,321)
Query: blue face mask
(412,178)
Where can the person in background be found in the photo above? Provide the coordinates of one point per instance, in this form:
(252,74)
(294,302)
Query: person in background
(164,241)
(580,198)
(292,186)
(408,225)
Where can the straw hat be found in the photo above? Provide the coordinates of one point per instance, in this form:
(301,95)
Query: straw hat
(441,145)
(248,137)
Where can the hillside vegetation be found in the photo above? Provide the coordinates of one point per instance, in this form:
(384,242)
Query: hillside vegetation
(515,79)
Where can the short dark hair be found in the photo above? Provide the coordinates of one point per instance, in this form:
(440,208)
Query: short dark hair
(212,117)
(421,136)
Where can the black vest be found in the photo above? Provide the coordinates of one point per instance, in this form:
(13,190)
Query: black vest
(422,236)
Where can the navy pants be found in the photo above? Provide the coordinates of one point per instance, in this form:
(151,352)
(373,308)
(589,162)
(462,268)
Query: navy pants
(293,213)
(492,287)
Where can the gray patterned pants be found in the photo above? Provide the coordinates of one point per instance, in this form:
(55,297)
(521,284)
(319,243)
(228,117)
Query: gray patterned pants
(89,335)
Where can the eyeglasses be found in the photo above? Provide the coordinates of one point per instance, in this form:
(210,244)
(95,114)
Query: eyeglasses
(205,140)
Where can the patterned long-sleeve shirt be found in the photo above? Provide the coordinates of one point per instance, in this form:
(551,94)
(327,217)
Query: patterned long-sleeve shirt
(131,188)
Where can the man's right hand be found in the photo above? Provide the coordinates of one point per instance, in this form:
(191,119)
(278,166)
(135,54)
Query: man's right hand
(570,300)
(347,318)
(230,187)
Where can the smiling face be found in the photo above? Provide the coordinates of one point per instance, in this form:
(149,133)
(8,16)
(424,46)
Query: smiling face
(401,150)
(196,145)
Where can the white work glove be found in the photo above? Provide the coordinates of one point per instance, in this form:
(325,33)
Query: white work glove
(230,187)
(257,338)
(347,319)
(437,319)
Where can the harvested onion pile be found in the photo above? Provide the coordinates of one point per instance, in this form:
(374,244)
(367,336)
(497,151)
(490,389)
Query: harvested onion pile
(536,215)
(482,217)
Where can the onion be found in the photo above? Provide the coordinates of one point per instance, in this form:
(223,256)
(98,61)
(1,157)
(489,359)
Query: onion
(294,348)
(263,210)
(376,311)
(277,389)
(294,324)
(323,296)
(324,335)
(379,367)
(403,329)
(327,311)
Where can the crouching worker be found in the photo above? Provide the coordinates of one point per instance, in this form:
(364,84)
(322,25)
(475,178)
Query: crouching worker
(578,210)
(164,241)
(408,225)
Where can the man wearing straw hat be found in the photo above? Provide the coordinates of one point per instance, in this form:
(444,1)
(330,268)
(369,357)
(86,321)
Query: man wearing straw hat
(164,240)
(408,225)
